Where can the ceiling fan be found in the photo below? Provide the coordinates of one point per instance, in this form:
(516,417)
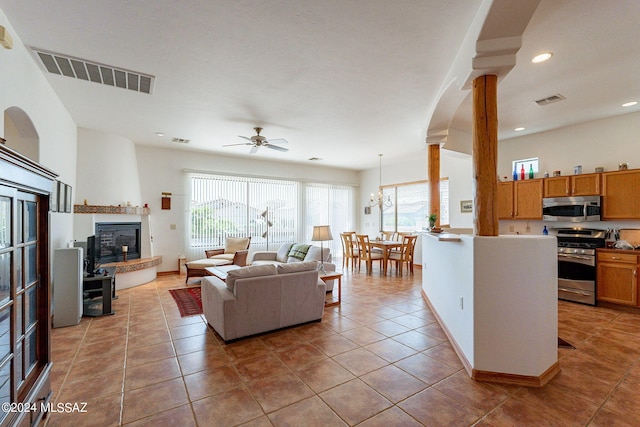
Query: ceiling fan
(258,141)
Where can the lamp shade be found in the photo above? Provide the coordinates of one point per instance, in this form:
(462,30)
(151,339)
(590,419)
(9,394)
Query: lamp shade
(321,233)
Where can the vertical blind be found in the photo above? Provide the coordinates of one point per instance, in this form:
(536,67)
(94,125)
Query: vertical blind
(271,211)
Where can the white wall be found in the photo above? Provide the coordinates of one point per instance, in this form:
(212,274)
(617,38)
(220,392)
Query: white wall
(23,85)
(605,143)
(163,170)
(107,170)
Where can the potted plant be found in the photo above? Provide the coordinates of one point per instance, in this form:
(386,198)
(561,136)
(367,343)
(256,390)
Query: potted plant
(432,220)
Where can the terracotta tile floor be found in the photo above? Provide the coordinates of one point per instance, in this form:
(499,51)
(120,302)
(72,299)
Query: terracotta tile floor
(379,359)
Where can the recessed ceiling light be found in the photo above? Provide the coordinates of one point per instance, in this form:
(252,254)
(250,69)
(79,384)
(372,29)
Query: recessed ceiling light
(629,104)
(159,133)
(542,57)
(518,129)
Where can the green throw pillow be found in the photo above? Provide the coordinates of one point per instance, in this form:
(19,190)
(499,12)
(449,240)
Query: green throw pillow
(299,251)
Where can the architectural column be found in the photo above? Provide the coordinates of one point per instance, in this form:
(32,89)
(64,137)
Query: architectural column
(485,154)
(433,176)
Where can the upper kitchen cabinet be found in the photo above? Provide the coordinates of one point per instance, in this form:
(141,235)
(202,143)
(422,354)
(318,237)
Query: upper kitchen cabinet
(520,199)
(505,200)
(575,185)
(527,199)
(620,192)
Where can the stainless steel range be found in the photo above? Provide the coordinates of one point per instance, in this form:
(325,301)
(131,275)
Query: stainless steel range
(577,263)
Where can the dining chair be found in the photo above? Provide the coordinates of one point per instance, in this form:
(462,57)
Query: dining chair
(366,254)
(404,254)
(350,249)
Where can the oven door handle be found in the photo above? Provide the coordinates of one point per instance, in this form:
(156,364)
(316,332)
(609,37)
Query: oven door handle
(572,291)
(586,258)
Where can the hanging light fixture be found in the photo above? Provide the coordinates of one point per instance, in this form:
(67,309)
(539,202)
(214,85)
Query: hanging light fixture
(380,201)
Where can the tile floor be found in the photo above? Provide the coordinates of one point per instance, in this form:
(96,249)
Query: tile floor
(379,359)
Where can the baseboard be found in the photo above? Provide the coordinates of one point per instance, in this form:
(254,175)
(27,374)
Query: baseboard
(488,376)
(519,380)
(167,273)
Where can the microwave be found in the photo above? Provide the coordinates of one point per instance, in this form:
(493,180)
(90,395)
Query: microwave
(571,209)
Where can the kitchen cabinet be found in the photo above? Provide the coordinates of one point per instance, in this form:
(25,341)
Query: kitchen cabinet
(25,292)
(574,185)
(617,278)
(620,194)
(527,199)
(505,200)
(520,199)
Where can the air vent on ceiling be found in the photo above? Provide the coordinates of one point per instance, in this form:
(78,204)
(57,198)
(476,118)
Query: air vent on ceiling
(550,99)
(83,69)
(181,140)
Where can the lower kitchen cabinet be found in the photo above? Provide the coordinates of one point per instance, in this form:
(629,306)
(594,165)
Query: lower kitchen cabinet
(617,279)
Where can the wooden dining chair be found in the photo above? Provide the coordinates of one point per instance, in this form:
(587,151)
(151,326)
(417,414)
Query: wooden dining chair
(404,254)
(350,249)
(366,254)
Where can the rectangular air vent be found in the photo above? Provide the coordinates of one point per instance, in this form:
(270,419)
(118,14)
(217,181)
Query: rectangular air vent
(83,69)
(181,140)
(550,99)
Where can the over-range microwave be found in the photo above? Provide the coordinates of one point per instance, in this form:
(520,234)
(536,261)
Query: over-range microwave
(571,209)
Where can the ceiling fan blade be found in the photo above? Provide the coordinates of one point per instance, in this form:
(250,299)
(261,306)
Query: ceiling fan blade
(275,147)
(245,137)
(253,150)
(242,143)
(277,141)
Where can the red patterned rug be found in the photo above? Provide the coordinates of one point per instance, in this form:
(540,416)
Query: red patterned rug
(188,300)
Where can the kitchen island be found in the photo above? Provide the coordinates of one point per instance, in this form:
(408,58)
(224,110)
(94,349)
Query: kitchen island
(496,299)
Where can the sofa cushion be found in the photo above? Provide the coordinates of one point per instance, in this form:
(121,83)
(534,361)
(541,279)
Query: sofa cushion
(296,267)
(298,252)
(235,244)
(283,252)
(253,271)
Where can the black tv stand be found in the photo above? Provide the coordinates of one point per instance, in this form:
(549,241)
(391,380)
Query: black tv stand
(100,287)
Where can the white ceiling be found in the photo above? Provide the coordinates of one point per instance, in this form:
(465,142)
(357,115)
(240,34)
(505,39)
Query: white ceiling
(342,80)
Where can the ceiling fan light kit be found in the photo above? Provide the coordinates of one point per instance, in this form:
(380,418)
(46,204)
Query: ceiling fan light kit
(257,141)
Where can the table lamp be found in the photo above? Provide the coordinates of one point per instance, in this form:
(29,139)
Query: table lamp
(321,233)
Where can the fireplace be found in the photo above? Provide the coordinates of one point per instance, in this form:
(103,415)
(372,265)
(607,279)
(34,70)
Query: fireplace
(112,236)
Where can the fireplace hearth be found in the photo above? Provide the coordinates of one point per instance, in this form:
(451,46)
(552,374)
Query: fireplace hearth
(113,236)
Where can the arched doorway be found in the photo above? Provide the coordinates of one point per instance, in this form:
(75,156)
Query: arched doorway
(21,134)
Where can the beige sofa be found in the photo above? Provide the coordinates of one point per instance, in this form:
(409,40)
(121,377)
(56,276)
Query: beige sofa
(263,298)
(293,253)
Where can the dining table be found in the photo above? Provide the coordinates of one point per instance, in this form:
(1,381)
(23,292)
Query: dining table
(386,246)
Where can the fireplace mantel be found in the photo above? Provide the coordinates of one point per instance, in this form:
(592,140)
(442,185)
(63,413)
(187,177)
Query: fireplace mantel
(119,210)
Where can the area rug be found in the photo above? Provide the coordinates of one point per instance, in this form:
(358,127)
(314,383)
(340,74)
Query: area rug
(188,300)
(563,344)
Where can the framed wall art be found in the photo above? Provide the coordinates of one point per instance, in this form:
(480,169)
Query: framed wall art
(68,205)
(61,195)
(53,198)
(466,206)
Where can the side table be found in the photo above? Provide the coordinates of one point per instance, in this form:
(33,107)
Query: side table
(221,271)
(333,276)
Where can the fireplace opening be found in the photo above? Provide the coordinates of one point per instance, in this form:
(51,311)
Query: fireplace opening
(113,236)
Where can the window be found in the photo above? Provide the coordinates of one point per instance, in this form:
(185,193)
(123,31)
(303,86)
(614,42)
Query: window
(411,206)
(224,205)
(527,164)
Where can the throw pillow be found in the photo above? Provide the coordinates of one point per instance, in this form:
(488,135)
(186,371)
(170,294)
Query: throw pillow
(235,244)
(253,271)
(283,252)
(299,251)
